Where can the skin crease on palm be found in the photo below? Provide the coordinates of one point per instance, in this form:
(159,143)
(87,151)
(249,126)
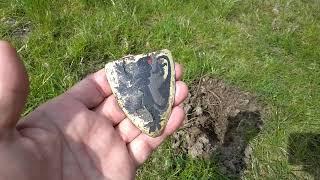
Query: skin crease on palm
(81,134)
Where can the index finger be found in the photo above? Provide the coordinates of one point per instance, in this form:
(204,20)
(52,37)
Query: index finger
(92,90)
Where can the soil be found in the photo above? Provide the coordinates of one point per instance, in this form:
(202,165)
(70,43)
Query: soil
(221,120)
(18,29)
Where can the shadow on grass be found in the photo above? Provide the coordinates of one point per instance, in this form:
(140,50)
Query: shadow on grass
(304,150)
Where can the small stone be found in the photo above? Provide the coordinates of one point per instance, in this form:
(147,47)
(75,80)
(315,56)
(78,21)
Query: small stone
(248,151)
(144,86)
(198,110)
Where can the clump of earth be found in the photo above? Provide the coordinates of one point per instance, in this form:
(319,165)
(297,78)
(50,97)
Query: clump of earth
(220,122)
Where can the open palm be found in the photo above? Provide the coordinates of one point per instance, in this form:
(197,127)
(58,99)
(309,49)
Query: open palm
(81,134)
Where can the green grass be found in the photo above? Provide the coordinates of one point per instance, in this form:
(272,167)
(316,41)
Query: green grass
(270,48)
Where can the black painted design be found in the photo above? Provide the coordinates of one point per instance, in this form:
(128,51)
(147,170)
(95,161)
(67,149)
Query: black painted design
(145,86)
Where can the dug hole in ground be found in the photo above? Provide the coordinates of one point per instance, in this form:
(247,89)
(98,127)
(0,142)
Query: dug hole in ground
(220,122)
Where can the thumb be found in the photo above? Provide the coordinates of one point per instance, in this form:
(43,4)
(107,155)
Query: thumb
(14,86)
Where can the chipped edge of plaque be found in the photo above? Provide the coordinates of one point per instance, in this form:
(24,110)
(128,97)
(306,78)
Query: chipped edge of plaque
(166,116)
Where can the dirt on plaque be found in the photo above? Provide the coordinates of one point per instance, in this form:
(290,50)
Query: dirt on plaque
(220,122)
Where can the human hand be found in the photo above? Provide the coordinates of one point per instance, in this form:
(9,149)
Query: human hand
(81,134)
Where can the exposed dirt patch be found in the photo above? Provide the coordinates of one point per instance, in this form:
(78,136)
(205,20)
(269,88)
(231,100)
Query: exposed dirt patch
(17,29)
(220,122)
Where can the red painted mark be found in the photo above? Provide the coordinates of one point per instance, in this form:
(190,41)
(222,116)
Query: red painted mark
(149,60)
